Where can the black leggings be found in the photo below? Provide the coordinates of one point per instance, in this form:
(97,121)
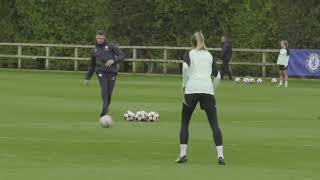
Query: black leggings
(107,82)
(207,103)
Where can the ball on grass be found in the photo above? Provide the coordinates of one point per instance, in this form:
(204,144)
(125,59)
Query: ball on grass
(105,121)
(129,116)
(153,116)
(246,80)
(141,116)
(237,80)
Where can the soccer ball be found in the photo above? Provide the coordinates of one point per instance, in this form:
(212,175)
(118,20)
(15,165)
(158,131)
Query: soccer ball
(246,80)
(129,116)
(237,79)
(252,80)
(141,116)
(274,80)
(105,121)
(259,81)
(153,116)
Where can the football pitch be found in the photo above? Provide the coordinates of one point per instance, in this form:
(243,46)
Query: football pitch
(49,130)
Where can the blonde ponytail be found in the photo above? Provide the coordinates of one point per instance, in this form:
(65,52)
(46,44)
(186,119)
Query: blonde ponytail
(197,41)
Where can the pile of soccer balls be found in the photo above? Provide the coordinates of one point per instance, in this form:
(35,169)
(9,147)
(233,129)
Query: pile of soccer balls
(251,80)
(141,116)
(248,80)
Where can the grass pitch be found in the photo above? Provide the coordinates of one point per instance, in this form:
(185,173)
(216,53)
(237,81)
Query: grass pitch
(49,130)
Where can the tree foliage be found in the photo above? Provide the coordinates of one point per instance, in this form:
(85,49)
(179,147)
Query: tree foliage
(250,23)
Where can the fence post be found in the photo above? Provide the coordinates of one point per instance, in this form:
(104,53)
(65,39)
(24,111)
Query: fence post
(76,61)
(264,61)
(165,57)
(134,57)
(19,57)
(47,59)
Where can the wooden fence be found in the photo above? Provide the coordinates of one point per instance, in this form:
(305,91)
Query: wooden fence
(134,58)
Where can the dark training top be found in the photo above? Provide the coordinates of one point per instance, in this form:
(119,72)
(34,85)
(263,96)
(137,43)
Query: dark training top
(226,51)
(99,56)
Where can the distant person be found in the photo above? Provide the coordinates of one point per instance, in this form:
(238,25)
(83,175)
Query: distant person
(198,66)
(226,54)
(282,62)
(104,59)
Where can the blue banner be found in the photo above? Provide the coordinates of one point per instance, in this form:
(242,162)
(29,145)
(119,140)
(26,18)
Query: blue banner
(304,62)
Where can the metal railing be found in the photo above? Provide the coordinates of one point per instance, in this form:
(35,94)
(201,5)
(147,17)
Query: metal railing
(19,56)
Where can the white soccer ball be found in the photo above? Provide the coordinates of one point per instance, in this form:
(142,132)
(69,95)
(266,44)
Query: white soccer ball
(137,116)
(129,116)
(252,80)
(105,121)
(153,116)
(246,80)
(144,115)
(141,116)
(274,80)
(237,79)
(259,81)
(157,115)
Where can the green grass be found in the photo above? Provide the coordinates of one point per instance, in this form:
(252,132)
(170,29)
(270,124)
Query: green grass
(49,130)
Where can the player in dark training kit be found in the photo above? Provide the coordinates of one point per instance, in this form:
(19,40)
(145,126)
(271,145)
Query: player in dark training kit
(104,59)
(226,54)
(198,67)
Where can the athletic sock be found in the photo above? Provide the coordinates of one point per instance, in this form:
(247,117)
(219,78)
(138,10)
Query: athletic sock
(220,151)
(286,84)
(280,84)
(183,150)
